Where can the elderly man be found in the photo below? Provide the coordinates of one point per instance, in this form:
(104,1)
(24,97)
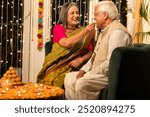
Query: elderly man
(87,83)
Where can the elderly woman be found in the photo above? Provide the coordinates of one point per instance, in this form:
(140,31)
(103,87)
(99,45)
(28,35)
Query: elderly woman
(71,49)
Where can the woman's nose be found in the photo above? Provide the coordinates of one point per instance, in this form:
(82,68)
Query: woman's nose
(76,14)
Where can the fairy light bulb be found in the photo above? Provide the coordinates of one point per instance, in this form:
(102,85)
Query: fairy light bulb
(21,4)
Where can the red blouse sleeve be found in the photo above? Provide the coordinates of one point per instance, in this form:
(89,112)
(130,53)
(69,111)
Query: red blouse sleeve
(90,46)
(58,33)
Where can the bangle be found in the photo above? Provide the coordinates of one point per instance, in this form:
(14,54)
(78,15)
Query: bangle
(86,30)
(83,33)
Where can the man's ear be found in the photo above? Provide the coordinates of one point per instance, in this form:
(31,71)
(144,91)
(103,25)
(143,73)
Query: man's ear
(106,15)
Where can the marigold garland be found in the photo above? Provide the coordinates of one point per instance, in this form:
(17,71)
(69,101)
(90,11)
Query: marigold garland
(40,24)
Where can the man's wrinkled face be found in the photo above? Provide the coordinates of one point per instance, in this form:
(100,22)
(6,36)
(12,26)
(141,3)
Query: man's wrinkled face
(99,17)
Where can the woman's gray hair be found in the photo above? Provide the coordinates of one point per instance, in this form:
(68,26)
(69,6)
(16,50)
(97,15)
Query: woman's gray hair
(64,12)
(109,7)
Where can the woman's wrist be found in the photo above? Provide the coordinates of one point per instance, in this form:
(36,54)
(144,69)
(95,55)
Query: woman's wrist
(84,32)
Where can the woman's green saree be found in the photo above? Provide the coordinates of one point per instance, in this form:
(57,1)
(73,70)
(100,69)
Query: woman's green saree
(56,63)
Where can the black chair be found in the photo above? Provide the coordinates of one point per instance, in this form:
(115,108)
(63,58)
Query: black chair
(129,74)
(48,47)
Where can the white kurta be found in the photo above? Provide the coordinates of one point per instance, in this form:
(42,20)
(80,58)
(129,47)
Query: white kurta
(96,78)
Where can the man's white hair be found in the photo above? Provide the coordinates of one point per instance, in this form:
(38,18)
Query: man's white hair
(109,7)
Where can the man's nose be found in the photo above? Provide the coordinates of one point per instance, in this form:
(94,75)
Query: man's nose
(94,18)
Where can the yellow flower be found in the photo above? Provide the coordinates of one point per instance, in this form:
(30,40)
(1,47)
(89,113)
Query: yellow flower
(40,40)
(41,0)
(40,31)
(40,10)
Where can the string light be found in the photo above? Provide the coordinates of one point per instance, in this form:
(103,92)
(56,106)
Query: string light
(10,34)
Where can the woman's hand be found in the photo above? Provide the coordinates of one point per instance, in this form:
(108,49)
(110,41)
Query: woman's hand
(80,74)
(75,63)
(89,27)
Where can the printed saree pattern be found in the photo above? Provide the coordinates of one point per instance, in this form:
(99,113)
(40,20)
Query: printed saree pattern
(56,63)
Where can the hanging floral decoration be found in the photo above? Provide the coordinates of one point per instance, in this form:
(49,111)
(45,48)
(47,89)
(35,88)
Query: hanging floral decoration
(40,24)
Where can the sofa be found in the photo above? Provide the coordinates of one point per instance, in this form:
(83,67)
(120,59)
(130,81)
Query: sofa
(48,47)
(129,74)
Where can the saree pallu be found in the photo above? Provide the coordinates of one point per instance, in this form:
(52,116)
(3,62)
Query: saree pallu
(56,63)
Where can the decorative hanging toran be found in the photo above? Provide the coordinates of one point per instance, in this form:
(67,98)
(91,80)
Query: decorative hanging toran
(40,24)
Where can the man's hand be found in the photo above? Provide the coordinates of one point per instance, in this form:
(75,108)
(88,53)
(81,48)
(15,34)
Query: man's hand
(80,74)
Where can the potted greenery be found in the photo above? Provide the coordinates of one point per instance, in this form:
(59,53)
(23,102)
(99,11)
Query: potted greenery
(145,14)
